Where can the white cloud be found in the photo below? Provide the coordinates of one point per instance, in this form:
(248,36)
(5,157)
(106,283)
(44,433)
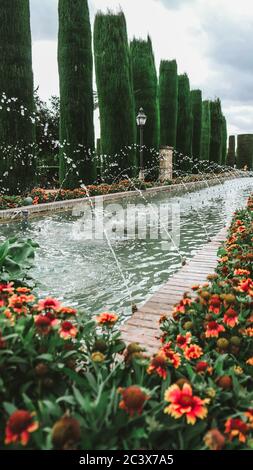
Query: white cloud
(209,38)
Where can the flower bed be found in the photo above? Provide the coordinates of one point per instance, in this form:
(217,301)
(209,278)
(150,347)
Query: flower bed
(70,384)
(42,196)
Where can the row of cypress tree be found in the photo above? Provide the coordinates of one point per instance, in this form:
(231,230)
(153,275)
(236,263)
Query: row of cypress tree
(126,80)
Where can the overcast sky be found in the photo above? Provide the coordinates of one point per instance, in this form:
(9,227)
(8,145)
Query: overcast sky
(211,40)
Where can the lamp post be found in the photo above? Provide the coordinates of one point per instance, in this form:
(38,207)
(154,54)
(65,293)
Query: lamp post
(141,121)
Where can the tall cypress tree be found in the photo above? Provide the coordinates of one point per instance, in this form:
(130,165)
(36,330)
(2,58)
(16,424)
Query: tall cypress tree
(206,130)
(17,133)
(196,99)
(115,91)
(76,93)
(184,122)
(224,140)
(231,157)
(216,132)
(245,151)
(146,97)
(168,99)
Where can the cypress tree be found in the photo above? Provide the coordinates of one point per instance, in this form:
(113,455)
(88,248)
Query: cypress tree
(245,151)
(206,131)
(196,99)
(17,132)
(216,132)
(168,99)
(76,93)
(115,91)
(231,158)
(224,140)
(146,96)
(184,123)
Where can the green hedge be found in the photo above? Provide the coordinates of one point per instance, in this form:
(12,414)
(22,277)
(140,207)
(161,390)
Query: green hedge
(216,132)
(206,130)
(196,98)
(168,99)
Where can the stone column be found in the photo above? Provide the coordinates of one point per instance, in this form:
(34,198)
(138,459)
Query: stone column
(166,163)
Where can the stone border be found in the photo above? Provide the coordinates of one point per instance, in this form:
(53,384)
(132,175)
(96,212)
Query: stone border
(9,215)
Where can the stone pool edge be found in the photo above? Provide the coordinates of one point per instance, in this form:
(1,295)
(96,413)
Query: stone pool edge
(9,215)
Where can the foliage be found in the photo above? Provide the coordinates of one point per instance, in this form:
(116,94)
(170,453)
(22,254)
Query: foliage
(115,92)
(17,169)
(168,99)
(196,99)
(231,158)
(76,94)
(16,258)
(224,140)
(47,128)
(216,132)
(206,131)
(245,151)
(185,122)
(146,96)
(71,384)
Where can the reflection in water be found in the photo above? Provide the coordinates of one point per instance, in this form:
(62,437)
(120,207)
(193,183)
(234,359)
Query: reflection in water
(83,272)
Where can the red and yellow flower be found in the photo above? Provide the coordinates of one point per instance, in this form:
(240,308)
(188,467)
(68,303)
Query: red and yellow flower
(107,319)
(215,304)
(49,304)
(184,403)
(159,365)
(68,330)
(45,323)
(19,303)
(184,340)
(193,352)
(19,427)
(172,356)
(235,427)
(213,329)
(231,318)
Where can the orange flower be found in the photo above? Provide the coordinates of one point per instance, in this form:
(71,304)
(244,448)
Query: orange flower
(133,399)
(107,319)
(23,290)
(159,365)
(215,304)
(213,329)
(246,286)
(241,272)
(249,415)
(214,440)
(19,303)
(183,341)
(20,424)
(180,308)
(248,332)
(250,361)
(184,403)
(231,318)
(68,330)
(173,357)
(67,311)
(193,352)
(236,428)
(49,304)
(6,288)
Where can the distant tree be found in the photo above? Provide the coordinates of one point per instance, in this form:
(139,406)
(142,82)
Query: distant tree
(76,94)
(17,133)
(196,99)
(146,97)
(168,99)
(115,92)
(231,156)
(206,131)
(185,120)
(47,128)
(245,151)
(216,140)
(224,140)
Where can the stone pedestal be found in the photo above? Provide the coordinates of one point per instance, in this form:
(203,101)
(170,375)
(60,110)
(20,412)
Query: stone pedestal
(166,163)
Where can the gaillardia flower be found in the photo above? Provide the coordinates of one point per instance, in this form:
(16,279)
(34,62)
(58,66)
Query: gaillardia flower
(107,319)
(213,329)
(20,424)
(172,356)
(235,427)
(184,403)
(68,330)
(133,399)
(49,304)
(193,352)
(159,365)
(214,440)
(231,318)
(184,340)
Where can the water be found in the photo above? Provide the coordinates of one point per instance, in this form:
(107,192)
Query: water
(83,273)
